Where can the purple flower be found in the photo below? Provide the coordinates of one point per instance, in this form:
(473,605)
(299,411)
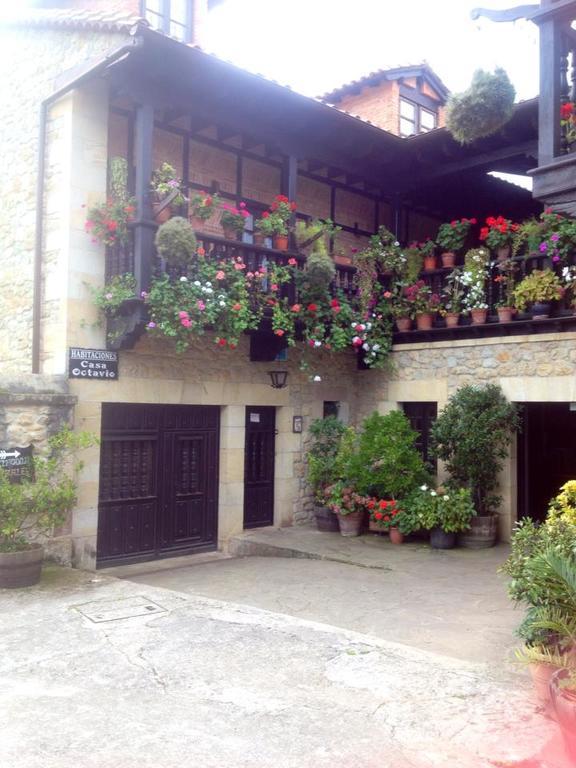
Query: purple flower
(143,295)
(151,324)
(543,247)
(555,258)
(555,237)
(173,183)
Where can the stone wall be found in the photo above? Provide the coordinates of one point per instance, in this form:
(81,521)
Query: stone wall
(31,59)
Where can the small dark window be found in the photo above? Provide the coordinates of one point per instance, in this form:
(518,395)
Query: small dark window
(331,408)
(421,417)
(416,119)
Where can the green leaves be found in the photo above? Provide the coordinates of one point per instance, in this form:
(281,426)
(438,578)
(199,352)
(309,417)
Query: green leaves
(482,109)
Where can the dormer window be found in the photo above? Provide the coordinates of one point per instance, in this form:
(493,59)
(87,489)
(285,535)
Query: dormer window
(416,119)
(173,17)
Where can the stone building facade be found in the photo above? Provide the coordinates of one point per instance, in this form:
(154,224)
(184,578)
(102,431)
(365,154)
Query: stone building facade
(86,127)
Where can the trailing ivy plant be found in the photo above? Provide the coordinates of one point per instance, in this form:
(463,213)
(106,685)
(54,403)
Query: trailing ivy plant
(472,435)
(483,108)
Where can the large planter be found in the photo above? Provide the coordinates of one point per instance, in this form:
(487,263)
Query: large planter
(197,223)
(439,539)
(429,263)
(505,314)
(281,242)
(342,260)
(503,253)
(230,233)
(396,536)
(21,569)
(326,520)
(403,324)
(452,319)
(161,216)
(564,708)
(479,316)
(541,675)
(448,259)
(483,532)
(351,524)
(259,239)
(540,310)
(424,321)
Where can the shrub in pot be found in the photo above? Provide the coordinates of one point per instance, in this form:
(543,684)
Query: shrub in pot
(326,435)
(442,511)
(538,290)
(349,507)
(176,242)
(471,436)
(389,515)
(483,108)
(35,506)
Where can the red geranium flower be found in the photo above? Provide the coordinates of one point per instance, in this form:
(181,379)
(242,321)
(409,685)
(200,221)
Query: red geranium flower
(312,308)
(378,515)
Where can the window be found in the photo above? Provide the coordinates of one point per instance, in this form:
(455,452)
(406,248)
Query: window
(173,17)
(415,119)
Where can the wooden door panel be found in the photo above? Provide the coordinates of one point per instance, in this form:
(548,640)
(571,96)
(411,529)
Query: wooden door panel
(259,466)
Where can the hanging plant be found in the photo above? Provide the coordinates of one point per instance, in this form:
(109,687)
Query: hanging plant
(176,242)
(482,109)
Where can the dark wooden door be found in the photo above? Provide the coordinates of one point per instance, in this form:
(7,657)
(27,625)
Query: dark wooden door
(259,466)
(158,481)
(421,417)
(546,455)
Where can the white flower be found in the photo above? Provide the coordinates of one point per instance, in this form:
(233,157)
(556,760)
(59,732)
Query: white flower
(353,325)
(317,343)
(222,303)
(183,279)
(317,378)
(368,325)
(366,346)
(433,493)
(208,283)
(208,290)
(376,347)
(397,244)
(446,498)
(423,487)
(196,282)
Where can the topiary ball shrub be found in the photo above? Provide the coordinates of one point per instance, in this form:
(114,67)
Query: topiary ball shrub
(482,109)
(176,242)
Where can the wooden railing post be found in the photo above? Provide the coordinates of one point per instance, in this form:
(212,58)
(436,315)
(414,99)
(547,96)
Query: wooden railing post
(550,86)
(144,226)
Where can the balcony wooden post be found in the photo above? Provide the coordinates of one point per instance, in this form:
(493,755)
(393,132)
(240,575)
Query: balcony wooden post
(144,225)
(549,100)
(289,188)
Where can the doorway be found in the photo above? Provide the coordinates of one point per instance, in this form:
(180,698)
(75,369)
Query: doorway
(260,447)
(546,455)
(158,481)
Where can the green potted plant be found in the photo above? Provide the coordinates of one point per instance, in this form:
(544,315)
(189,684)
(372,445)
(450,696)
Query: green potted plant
(483,108)
(423,304)
(452,298)
(474,277)
(388,515)
(451,238)
(202,206)
(108,222)
(498,234)
(538,290)
(167,192)
(176,242)
(325,437)
(472,435)
(277,219)
(234,219)
(427,251)
(442,511)
(506,281)
(37,504)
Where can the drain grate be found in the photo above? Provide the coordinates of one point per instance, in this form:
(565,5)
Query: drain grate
(115,610)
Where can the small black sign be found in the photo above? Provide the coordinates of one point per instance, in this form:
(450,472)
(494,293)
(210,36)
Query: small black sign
(92,364)
(17,462)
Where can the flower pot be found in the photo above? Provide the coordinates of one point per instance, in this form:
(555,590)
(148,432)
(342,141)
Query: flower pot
(503,253)
(373,527)
(351,524)
(344,261)
(563,704)
(540,310)
(230,233)
(21,569)
(478,316)
(281,242)
(429,263)
(198,224)
(452,319)
(161,216)
(326,520)
(424,321)
(259,238)
(439,539)
(396,537)
(448,259)
(483,532)
(403,323)
(505,314)
(541,675)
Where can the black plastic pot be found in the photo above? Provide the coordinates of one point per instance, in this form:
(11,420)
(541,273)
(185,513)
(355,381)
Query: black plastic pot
(540,310)
(21,569)
(439,539)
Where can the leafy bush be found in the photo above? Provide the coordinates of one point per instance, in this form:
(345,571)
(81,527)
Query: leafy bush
(482,109)
(540,285)
(472,435)
(176,242)
(326,436)
(448,509)
(384,461)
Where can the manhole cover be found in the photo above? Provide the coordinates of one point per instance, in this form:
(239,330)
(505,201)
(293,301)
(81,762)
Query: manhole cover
(114,610)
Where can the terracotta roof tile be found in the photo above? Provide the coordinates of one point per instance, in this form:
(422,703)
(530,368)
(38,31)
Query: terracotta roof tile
(76,19)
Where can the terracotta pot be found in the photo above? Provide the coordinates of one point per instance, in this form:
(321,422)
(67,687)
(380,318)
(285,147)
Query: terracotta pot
(452,319)
(541,675)
(563,703)
(161,216)
(344,261)
(403,323)
(396,537)
(374,527)
(479,316)
(21,569)
(230,233)
(448,259)
(424,321)
(503,253)
(281,242)
(351,525)
(326,520)
(259,238)
(429,263)
(505,314)
(198,224)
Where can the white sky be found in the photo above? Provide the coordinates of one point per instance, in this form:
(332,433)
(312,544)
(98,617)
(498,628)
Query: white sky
(316,45)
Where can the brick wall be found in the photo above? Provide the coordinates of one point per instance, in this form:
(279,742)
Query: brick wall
(379,104)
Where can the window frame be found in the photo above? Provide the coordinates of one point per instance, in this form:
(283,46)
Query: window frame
(165,17)
(418,109)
